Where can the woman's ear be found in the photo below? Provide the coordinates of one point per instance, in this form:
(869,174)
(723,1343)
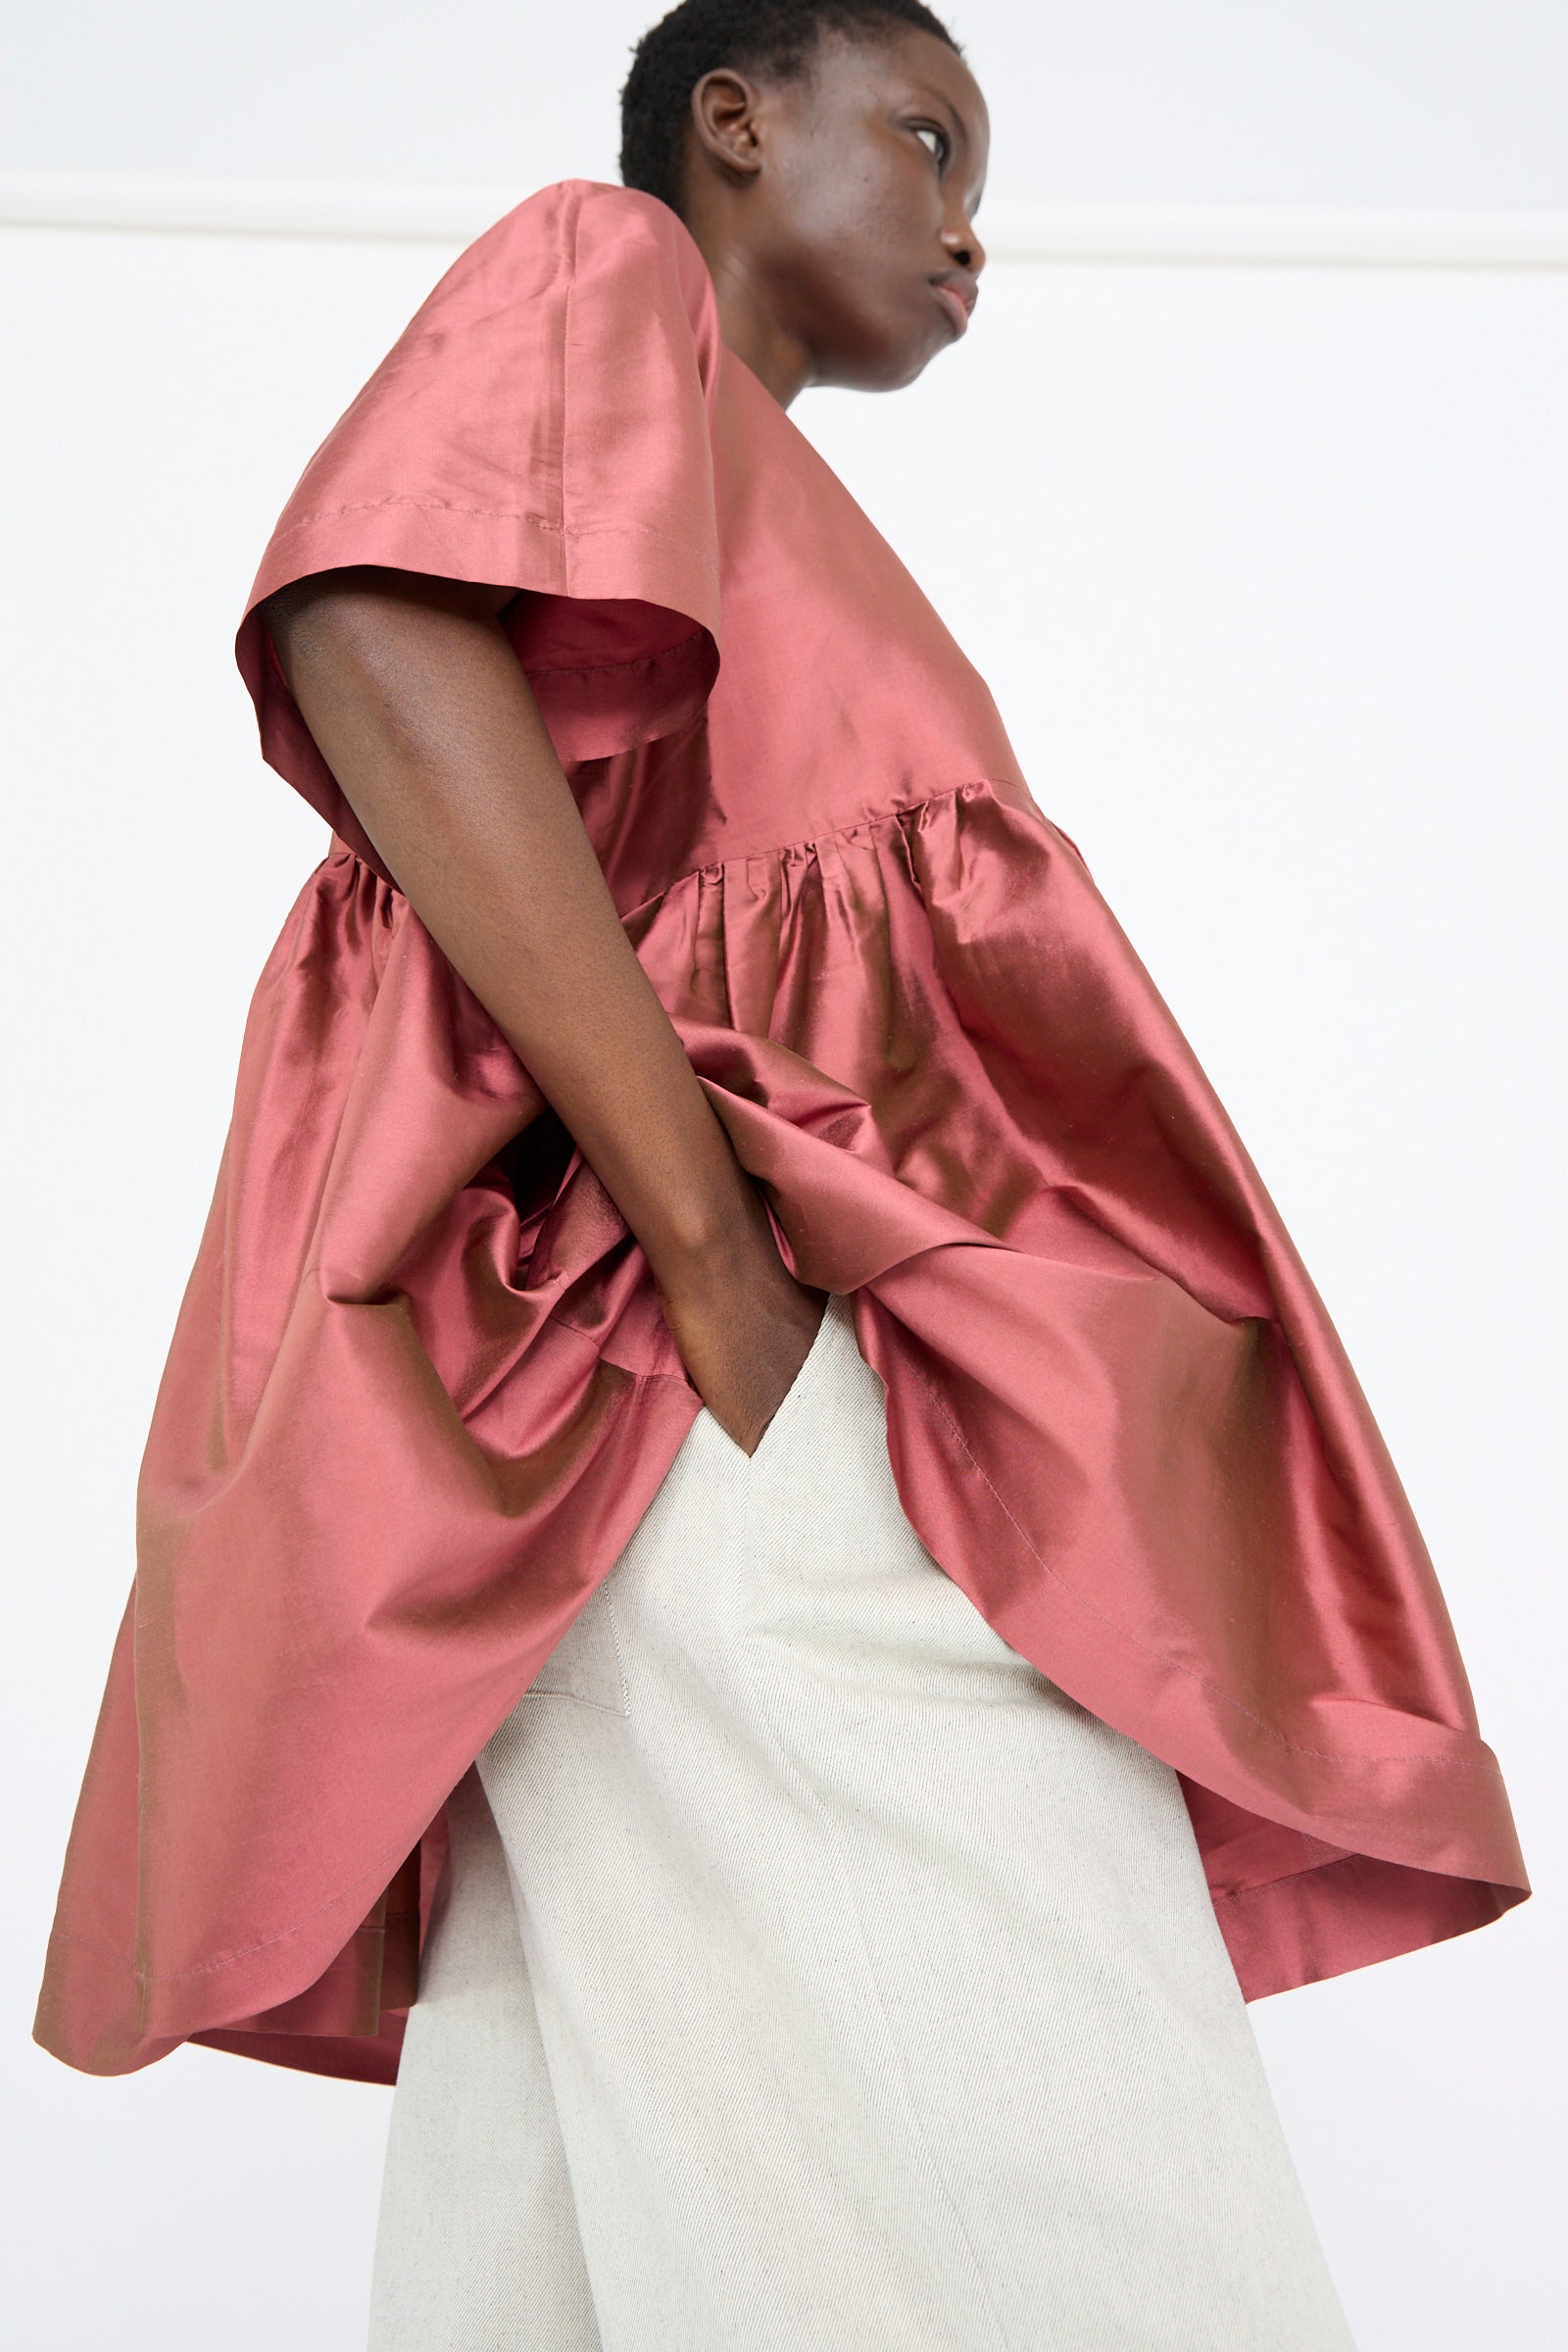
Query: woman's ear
(725,107)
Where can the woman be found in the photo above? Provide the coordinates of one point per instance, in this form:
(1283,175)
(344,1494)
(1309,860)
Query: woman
(903,1727)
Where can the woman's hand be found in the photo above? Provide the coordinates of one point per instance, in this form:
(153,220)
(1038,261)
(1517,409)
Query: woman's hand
(743,1324)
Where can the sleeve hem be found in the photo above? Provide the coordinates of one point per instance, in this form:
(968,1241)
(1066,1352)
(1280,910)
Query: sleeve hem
(598,561)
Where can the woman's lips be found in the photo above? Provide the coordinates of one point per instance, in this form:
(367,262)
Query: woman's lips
(954,302)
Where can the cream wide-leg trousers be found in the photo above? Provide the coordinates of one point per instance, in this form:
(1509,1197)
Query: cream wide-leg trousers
(817,1975)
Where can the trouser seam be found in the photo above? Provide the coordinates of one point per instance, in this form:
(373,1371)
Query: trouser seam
(763,1713)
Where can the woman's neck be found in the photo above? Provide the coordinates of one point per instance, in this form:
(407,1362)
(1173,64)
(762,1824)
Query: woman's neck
(749,318)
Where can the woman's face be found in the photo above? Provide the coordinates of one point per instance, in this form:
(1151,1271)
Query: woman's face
(855,184)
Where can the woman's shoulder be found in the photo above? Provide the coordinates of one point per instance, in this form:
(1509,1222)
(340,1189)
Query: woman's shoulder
(587,230)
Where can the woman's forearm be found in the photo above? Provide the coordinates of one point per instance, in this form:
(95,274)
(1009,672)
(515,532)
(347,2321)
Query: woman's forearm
(422,713)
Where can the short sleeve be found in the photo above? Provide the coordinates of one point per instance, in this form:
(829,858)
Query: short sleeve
(542,424)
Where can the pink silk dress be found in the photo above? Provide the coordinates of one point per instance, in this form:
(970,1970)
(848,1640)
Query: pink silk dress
(420,1389)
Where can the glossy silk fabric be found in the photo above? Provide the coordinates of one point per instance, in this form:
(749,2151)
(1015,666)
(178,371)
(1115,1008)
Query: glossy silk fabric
(420,1390)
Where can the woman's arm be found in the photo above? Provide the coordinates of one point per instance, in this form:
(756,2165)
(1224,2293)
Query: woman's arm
(425,716)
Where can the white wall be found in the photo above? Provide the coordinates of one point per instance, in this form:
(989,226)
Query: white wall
(1440,102)
(1268,567)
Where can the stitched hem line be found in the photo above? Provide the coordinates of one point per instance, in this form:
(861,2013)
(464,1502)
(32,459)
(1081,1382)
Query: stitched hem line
(542,522)
(381,1873)
(594,669)
(1308,1870)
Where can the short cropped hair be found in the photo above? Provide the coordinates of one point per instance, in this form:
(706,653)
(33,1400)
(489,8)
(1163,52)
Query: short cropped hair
(760,36)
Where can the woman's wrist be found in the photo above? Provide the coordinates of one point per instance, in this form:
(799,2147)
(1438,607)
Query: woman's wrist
(715,1241)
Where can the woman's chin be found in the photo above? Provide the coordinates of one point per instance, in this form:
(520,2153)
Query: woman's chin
(887,365)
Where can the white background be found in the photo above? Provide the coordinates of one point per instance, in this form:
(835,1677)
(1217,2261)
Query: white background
(1267,569)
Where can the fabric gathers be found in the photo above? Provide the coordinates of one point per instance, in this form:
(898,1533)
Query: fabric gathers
(420,1390)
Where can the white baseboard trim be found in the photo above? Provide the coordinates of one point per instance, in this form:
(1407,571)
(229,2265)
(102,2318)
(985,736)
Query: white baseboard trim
(423,213)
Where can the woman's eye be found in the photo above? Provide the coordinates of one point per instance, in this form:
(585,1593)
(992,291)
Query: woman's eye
(935,141)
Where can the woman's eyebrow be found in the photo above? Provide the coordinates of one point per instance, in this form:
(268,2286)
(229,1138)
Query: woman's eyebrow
(928,90)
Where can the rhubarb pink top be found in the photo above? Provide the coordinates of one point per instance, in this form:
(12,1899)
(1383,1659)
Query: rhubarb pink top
(420,1389)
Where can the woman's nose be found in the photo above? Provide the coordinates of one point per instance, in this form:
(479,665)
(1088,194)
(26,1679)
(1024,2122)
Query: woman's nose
(960,240)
